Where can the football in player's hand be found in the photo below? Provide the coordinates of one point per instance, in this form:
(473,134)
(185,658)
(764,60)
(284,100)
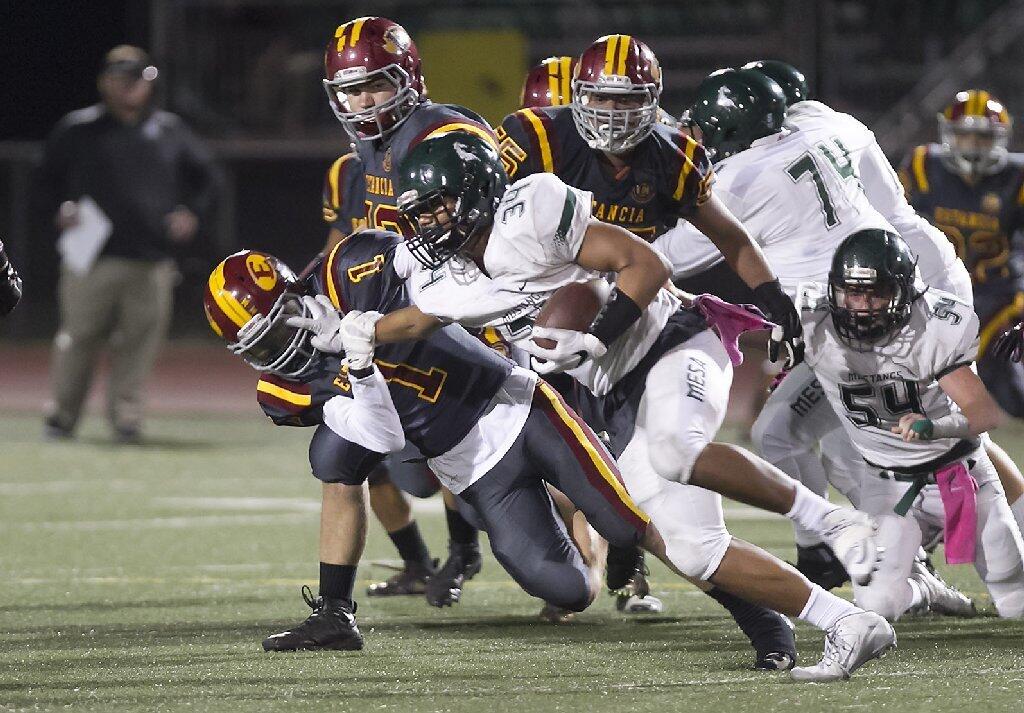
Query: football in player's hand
(573,306)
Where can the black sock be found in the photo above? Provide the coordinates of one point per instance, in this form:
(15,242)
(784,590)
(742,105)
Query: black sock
(410,544)
(460,532)
(337,580)
(766,629)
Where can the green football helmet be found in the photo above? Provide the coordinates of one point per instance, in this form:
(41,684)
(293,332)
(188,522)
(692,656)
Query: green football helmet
(458,179)
(735,107)
(791,79)
(871,288)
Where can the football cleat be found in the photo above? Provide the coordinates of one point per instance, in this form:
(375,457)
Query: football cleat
(411,580)
(849,644)
(941,597)
(623,565)
(444,587)
(851,535)
(635,597)
(820,565)
(553,614)
(331,626)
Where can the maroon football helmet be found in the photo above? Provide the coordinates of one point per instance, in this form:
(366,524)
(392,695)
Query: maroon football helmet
(248,298)
(975,130)
(623,68)
(364,50)
(549,83)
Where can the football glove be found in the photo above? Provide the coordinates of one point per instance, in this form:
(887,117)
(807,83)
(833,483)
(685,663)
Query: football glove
(786,339)
(323,321)
(358,338)
(1010,344)
(571,349)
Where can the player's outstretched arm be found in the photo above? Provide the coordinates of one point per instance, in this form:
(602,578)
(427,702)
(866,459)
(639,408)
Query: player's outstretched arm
(640,270)
(744,256)
(979,412)
(406,324)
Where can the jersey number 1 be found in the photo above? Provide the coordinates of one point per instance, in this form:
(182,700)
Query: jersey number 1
(838,157)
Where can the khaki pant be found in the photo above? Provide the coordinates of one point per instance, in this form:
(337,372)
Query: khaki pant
(126,303)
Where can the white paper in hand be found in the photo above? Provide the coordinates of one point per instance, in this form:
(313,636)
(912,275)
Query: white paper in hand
(80,245)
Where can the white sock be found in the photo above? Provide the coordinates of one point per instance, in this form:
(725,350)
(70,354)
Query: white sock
(823,609)
(809,509)
(1017,508)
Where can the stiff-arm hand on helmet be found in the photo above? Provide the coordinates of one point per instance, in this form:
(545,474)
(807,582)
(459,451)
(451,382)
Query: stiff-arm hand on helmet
(351,335)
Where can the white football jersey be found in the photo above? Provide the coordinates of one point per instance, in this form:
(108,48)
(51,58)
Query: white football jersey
(538,230)
(872,390)
(936,256)
(798,195)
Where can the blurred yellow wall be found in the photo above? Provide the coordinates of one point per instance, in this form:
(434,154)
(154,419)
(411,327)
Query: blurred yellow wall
(482,70)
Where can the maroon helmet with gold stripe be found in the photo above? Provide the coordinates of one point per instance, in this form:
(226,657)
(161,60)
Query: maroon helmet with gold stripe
(975,130)
(623,69)
(248,298)
(364,50)
(549,83)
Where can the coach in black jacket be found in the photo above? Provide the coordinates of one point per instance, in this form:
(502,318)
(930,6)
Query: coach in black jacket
(153,180)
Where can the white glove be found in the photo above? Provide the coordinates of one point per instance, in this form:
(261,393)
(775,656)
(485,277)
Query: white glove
(571,349)
(357,337)
(324,322)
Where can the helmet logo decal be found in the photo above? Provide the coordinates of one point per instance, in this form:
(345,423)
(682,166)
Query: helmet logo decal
(261,272)
(396,40)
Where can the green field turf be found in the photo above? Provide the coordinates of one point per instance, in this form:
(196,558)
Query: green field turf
(144,578)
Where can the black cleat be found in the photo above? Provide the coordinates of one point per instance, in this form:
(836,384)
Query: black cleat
(331,626)
(821,566)
(623,564)
(635,597)
(770,633)
(444,587)
(411,580)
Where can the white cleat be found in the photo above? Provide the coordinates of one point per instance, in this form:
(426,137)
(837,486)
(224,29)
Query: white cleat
(851,535)
(849,644)
(942,598)
(635,604)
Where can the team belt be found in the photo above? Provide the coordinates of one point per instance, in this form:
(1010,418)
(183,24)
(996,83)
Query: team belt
(924,473)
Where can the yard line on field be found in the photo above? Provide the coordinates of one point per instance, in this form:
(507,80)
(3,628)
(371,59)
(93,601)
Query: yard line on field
(158,523)
(262,504)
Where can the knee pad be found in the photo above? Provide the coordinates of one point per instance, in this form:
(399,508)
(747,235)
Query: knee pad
(673,455)
(690,521)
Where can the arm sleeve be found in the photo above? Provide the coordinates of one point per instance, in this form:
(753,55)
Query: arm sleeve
(561,215)
(343,197)
(202,175)
(368,418)
(521,139)
(690,183)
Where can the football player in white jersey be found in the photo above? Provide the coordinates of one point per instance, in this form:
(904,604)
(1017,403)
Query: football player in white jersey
(893,357)
(657,379)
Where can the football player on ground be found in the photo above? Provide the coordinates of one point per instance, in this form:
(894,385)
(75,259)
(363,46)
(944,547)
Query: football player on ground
(492,431)
(489,254)
(642,175)
(888,351)
(973,189)
(375,86)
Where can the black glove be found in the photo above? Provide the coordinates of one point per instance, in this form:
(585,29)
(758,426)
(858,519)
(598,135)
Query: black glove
(1010,345)
(10,284)
(778,308)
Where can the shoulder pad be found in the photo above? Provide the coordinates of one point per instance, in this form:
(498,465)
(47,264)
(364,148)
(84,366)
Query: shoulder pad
(434,120)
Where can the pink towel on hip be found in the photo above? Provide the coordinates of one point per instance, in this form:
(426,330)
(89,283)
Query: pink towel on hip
(729,321)
(959,493)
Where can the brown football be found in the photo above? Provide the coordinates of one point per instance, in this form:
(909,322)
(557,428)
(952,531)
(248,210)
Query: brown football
(573,306)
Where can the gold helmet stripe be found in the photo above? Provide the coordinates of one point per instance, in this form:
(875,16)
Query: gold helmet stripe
(566,65)
(357,29)
(227,302)
(609,54)
(553,83)
(624,43)
(339,34)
